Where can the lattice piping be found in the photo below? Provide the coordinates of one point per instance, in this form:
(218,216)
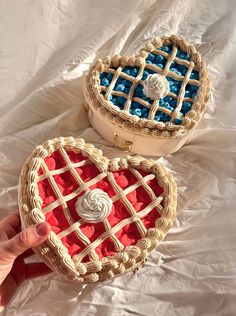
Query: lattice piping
(120,195)
(148,126)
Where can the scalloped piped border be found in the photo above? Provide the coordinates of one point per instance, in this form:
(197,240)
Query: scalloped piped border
(53,252)
(141,125)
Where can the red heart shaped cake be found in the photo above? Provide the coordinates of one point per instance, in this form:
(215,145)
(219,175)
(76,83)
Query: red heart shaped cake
(106,215)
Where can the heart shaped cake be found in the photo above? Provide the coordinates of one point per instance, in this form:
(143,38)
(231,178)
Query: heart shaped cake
(106,215)
(152,98)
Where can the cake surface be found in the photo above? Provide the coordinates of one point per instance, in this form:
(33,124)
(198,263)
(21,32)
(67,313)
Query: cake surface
(106,215)
(162,90)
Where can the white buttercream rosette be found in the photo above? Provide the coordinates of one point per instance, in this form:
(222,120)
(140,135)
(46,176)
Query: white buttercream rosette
(155,86)
(94,206)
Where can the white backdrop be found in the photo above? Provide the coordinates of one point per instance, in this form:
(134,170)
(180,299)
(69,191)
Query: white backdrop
(46,48)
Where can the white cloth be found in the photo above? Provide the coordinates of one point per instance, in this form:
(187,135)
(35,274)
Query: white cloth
(46,48)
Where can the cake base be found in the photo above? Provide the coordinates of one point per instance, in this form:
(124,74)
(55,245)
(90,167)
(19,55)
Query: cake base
(124,139)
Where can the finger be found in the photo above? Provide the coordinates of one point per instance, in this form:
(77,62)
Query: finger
(3,235)
(9,231)
(12,220)
(27,238)
(34,270)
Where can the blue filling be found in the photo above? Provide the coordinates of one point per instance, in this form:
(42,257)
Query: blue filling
(146,73)
(180,70)
(131,71)
(139,110)
(183,55)
(166,48)
(194,75)
(175,85)
(158,60)
(191,91)
(138,92)
(123,85)
(186,106)
(161,117)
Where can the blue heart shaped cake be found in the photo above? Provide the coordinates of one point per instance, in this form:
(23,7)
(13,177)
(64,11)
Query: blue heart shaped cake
(148,103)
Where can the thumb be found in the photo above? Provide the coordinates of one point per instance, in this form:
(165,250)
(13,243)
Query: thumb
(27,238)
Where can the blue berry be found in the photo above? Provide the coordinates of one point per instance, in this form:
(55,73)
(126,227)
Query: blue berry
(173,103)
(165,118)
(171,83)
(148,62)
(109,76)
(110,97)
(127,70)
(186,107)
(120,87)
(126,83)
(188,94)
(159,59)
(138,90)
(119,81)
(167,106)
(160,66)
(126,90)
(178,121)
(183,69)
(145,98)
(180,54)
(177,83)
(144,110)
(173,89)
(169,78)
(166,48)
(115,101)
(194,88)
(151,57)
(105,82)
(137,112)
(145,74)
(186,56)
(121,100)
(161,102)
(157,116)
(168,99)
(135,105)
(194,95)
(194,75)
(183,55)
(134,72)
(175,70)
(102,75)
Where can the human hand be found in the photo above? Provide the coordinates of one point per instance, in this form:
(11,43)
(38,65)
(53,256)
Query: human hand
(14,248)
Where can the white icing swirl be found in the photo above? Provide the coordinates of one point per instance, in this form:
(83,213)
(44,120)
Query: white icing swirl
(156,87)
(94,206)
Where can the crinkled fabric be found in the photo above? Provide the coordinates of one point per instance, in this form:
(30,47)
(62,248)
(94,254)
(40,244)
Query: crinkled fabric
(46,49)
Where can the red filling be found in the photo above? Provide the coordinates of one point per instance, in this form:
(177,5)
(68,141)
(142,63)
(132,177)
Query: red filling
(66,183)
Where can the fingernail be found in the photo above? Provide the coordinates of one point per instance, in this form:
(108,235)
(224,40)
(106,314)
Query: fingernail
(41,229)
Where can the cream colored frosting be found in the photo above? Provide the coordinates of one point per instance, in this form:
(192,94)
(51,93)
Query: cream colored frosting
(94,206)
(155,86)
